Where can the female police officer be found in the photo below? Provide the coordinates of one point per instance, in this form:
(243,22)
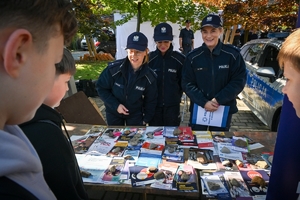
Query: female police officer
(213,74)
(128,86)
(167,64)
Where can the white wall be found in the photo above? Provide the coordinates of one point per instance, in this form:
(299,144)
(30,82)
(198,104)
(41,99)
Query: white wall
(123,31)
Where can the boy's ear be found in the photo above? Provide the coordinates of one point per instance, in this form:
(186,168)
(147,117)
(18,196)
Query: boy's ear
(16,51)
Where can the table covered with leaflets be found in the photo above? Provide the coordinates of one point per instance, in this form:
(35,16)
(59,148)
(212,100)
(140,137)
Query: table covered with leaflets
(174,161)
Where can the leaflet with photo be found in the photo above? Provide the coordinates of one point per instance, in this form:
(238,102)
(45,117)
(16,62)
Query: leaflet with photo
(146,159)
(93,167)
(225,150)
(113,172)
(236,184)
(164,180)
(118,149)
(141,175)
(255,185)
(213,184)
(101,146)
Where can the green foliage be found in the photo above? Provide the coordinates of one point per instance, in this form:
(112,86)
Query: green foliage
(89,69)
(157,11)
(91,15)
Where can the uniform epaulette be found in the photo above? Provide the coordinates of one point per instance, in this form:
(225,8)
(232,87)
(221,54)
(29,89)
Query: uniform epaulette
(194,51)
(233,47)
(115,63)
(176,53)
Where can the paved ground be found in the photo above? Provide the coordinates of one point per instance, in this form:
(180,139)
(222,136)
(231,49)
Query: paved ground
(243,120)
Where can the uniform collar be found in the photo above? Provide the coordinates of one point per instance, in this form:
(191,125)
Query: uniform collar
(124,68)
(217,50)
(168,52)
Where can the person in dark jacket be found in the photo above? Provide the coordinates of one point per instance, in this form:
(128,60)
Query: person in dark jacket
(167,64)
(186,38)
(128,86)
(213,74)
(60,166)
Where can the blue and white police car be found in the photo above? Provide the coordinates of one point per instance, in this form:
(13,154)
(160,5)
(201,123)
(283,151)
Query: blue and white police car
(262,93)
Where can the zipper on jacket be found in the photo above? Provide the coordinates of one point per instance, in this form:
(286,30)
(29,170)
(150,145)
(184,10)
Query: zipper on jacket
(163,81)
(126,87)
(213,74)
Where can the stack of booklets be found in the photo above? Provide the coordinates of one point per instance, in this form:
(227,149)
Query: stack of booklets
(101,146)
(205,140)
(214,186)
(173,153)
(168,170)
(168,131)
(141,175)
(93,167)
(186,138)
(154,134)
(146,159)
(152,148)
(201,159)
(112,174)
(118,149)
(185,178)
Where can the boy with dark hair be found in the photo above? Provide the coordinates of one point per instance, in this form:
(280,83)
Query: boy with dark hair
(32,37)
(44,131)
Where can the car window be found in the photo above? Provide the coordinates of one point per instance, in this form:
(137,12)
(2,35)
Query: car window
(270,58)
(252,53)
(245,48)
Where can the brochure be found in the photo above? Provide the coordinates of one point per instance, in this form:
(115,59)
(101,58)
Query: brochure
(148,160)
(140,175)
(94,165)
(203,117)
(236,184)
(113,172)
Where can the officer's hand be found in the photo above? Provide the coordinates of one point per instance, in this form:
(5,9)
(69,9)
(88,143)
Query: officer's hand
(181,49)
(211,106)
(122,110)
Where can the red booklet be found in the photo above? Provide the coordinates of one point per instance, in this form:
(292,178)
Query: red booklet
(186,134)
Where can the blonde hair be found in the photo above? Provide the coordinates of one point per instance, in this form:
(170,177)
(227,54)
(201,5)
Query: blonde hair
(290,51)
(146,58)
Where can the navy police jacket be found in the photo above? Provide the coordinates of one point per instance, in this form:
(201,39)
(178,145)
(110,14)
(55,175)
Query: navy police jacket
(219,74)
(168,68)
(140,96)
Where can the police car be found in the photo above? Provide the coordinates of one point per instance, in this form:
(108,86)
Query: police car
(262,93)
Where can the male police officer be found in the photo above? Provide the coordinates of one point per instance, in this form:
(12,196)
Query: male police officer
(186,38)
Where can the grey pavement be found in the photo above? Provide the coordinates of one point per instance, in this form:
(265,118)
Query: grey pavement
(243,120)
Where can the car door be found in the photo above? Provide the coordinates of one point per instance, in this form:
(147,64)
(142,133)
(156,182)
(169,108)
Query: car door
(262,94)
(271,87)
(252,53)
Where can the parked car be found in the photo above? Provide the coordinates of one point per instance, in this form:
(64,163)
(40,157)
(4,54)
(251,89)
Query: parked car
(83,44)
(262,93)
(107,45)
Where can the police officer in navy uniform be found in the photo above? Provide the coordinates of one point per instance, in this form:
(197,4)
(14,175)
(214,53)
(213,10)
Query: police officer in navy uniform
(128,86)
(186,38)
(167,64)
(213,74)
